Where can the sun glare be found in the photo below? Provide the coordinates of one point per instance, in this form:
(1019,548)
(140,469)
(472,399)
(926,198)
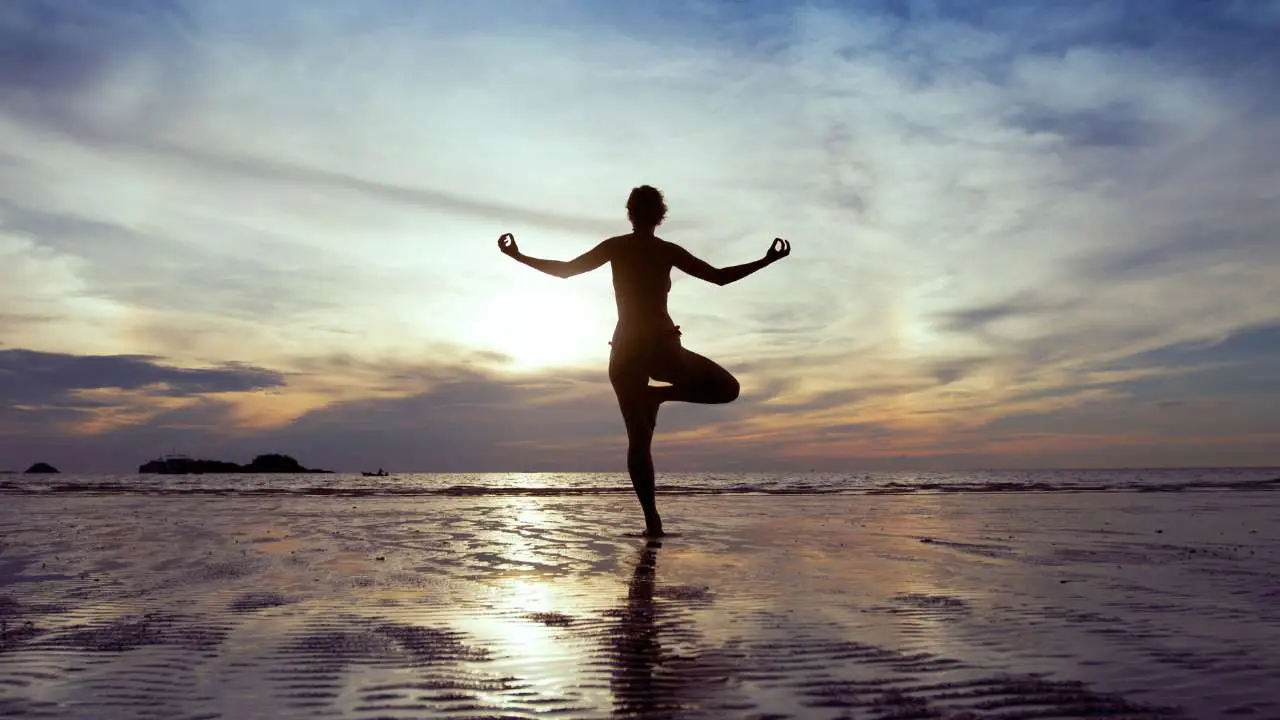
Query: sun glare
(539,327)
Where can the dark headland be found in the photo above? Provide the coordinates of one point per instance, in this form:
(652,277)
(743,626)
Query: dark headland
(181,465)
(40,468)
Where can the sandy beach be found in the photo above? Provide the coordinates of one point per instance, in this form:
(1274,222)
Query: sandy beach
(1000,605)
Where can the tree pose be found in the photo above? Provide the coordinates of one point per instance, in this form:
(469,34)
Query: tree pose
(646,343)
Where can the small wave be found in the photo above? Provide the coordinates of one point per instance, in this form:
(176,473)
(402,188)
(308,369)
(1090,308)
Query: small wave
(798,489)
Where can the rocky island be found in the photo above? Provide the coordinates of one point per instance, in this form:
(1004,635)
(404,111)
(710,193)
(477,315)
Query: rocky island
(183,465)
(41,468)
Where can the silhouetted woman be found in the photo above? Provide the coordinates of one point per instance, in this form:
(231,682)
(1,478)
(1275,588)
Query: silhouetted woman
(646,343)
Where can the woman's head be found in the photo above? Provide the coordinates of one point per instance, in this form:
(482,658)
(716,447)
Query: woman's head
(646,208)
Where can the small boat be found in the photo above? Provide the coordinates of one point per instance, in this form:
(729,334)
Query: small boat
(380,473)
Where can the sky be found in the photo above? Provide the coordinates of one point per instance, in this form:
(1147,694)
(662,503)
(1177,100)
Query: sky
(1025,234)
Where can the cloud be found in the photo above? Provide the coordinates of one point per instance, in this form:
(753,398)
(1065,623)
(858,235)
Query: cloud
(1105,127)
(1259,344)
(36,373)
(464,417)
(976,319)
(63,45)
(49,392)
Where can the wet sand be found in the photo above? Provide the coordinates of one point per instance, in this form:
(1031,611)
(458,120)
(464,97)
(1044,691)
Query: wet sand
(1000,605)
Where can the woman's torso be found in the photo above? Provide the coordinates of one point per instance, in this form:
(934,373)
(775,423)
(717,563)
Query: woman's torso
(641,282)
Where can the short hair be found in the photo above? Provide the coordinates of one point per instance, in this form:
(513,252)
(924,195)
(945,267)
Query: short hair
(646,207)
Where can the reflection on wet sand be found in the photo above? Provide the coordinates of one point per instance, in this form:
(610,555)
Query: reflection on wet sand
(484,607)
(634,646)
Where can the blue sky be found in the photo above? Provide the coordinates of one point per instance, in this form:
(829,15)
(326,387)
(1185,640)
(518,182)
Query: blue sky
(1025,233)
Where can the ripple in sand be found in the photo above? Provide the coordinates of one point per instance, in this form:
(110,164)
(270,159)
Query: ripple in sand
(13,636)
(922,606)
(550,618)
(259,601)
(164,653)
(128,633)
(684,593)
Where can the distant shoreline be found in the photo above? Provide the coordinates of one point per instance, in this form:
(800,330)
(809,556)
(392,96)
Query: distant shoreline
(182,465)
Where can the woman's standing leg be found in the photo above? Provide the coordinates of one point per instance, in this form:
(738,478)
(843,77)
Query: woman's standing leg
(630,382)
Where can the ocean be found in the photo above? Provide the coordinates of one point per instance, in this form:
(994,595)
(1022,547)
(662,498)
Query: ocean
(565,484)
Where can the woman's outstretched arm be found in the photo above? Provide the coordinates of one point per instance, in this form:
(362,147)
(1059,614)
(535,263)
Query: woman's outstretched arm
(723,276)
(587,261)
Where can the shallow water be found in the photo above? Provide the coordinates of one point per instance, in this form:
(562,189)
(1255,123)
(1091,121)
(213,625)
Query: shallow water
(555,484)
(1107,604)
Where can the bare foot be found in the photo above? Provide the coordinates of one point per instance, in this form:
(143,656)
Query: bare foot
(653,526)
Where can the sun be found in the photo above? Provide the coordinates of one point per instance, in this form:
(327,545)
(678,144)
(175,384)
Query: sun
(541,325)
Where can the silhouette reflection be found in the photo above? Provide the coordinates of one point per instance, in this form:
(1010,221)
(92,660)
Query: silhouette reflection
(635,650)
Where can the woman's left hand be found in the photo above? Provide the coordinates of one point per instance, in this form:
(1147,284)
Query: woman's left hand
(778,249)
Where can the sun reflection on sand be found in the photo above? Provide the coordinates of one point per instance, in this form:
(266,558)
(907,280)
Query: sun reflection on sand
(526,624)
(532,603)
(519,544)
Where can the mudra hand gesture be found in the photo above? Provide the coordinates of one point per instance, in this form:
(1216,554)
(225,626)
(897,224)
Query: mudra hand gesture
(507,244)
(778,249)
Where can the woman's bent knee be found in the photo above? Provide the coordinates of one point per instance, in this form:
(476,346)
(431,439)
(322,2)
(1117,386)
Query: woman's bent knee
(724,390)
(731,389)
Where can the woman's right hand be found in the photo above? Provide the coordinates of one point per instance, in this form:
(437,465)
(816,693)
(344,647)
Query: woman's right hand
(507,244)
(778,249)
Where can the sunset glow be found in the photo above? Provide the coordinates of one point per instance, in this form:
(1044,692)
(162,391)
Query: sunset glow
(234,226)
